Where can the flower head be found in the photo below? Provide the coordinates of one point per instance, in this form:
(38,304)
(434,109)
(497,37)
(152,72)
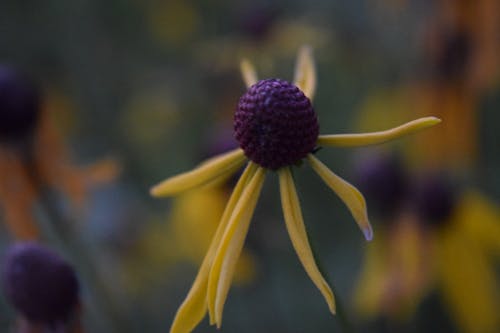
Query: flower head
(19,105)
(40,284)
(384,182)
(441,238)
(434,199)
(275,124)
(276,127)
(33,155)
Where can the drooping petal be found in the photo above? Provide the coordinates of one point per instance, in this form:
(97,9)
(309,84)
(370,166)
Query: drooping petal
(194,307)
(353,199)
(209,170)
(305,72)
(373,138)
(230,246)
(298,235)
(248,72)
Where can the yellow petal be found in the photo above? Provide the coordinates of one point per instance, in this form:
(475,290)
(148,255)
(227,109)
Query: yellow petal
(230,246)
(248,72)
(298,235)
(353,199)
(480,218)
(305,72)
(468,283)
(373,138)
(370,286)
(194,307)
(209,170)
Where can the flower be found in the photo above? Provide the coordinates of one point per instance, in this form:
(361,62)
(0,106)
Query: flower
(40,284)
(383,181)
(440,239)
(33,155)
(277,128)
(459,67)
(184,238)
(19,105)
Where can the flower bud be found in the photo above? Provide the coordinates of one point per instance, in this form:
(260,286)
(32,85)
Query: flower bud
(19,105)
(384,182)
(40,284)
(434,199)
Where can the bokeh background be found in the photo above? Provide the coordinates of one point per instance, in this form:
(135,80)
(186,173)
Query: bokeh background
(151,86)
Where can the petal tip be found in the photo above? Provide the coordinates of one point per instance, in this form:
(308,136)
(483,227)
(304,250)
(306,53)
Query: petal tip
(306,48)
(157,191)
(434,120)
(368,232)
(154,192)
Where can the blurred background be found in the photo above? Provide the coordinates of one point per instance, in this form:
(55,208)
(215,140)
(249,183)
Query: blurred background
(135,91)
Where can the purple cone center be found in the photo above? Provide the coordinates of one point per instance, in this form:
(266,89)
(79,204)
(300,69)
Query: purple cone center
(39,283)
(275,124)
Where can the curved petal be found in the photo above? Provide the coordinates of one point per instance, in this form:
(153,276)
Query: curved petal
(207,171)
(230,246)
(194,307)
(248,72)
(298,235)
(305,72)
(373,138)
(353,199)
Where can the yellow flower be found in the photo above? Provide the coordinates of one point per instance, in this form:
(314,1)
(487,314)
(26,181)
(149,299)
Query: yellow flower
(445,242)
(277,128)
(184,238)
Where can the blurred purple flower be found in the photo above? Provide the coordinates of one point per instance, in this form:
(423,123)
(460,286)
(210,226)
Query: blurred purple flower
(40,284)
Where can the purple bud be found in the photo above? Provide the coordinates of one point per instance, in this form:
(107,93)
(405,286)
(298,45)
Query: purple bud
(40,284)
(383,181)
(19,105)
(434,199)
(275,124)
(256,21)
(454,55)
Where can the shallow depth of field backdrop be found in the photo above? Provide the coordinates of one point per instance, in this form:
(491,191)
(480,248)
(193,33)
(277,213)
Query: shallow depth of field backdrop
(152,85)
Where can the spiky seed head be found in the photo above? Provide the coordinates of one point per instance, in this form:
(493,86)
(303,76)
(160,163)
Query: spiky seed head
(275,124)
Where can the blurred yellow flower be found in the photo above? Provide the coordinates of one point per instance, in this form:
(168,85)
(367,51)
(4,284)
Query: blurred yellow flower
(173,22)
(438,240)
(277,128)
(460,63)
